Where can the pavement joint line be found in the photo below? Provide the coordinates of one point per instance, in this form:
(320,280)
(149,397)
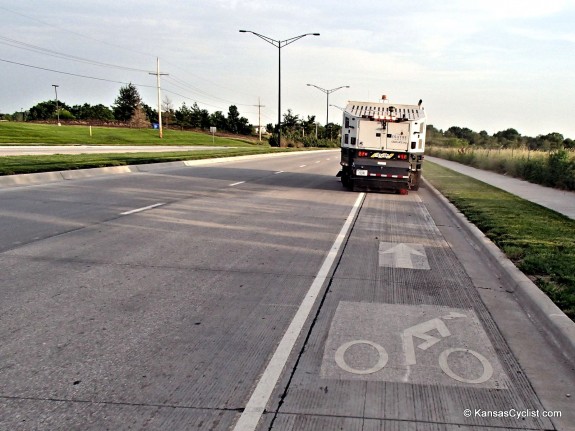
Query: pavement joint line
(259,398)
(156,266)
(559,328)
(237,184)
(120,403)
(137,210)
(410,421)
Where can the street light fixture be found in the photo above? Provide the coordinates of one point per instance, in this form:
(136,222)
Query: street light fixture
(327,92)
(57,110)
(279,44)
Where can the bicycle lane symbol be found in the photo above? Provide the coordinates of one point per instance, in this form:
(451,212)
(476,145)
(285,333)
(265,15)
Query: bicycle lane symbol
(414,361)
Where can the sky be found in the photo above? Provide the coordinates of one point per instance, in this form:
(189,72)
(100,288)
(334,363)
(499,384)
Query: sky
(486,65)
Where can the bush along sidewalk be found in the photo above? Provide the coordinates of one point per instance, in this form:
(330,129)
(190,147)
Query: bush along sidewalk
(555,169)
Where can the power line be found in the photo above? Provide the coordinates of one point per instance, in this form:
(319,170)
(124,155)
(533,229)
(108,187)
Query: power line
(29,47)
(189,87)
(147,54)
(74,74)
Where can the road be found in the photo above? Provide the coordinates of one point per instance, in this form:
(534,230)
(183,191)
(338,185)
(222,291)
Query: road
(258,294)
(37,150)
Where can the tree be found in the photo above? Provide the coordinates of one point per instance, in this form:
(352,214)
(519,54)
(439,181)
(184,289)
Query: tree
(139,118)
(89,112)
(167,109)
(151,113)
(45,110)
(126,103)
(218,120)
(183,116)
(233,120)
(290,120)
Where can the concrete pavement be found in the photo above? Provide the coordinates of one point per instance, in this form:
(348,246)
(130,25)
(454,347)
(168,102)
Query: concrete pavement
(157,300)
(558,200)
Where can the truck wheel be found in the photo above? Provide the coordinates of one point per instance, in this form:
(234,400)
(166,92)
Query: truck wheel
(346,181)
(415,181)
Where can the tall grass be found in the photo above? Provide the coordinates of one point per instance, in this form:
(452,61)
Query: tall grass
(554,169)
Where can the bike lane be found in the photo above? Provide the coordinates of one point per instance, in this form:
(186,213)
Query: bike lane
(403,339)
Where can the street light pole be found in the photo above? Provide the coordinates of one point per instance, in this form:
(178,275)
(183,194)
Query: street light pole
(57,110)
(327,92)
(279,44)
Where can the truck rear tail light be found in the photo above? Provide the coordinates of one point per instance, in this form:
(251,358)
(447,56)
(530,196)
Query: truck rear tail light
(402,156)
(362,153)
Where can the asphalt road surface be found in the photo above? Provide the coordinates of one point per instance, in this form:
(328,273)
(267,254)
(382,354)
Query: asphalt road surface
(259,295)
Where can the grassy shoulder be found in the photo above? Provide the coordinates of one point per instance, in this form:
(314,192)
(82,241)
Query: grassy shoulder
(27,133)
(10,165)
(551,169)
(539,241)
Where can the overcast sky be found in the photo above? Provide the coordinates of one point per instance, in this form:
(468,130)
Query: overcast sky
(487,65)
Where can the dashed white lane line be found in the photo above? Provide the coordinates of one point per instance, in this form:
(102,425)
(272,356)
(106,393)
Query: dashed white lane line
(303,166)
(319,161)
(236,184)
(256,405)
(137,210)
(279,172)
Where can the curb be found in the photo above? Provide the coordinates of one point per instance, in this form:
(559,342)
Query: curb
(537,305)
(75,174)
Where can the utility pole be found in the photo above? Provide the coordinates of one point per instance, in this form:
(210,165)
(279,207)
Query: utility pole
(260,106)
(158,74)
(57,109)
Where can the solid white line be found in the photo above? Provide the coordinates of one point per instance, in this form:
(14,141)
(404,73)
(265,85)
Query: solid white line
(235,184)
(256,405)
(137,210)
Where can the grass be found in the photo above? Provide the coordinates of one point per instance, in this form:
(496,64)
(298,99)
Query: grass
(10,165)
(27,133)
(539,241)
(554,169)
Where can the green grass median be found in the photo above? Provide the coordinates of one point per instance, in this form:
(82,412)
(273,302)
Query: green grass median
(10,165)
(538,240)
(51,134)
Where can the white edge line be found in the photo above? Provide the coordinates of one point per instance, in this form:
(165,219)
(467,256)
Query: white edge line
(256,405)
(236,184)
(137,210)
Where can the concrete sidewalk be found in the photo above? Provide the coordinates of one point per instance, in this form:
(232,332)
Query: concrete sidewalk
(558,200)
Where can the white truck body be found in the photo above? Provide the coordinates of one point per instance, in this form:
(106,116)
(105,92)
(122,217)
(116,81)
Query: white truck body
(382,145)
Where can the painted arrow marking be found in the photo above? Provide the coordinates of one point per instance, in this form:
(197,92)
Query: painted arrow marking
(411,256)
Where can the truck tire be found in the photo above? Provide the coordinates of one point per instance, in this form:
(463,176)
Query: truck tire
(415,181)
(346,181)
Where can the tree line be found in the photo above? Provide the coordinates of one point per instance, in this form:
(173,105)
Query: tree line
(509,138)
(129,109)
